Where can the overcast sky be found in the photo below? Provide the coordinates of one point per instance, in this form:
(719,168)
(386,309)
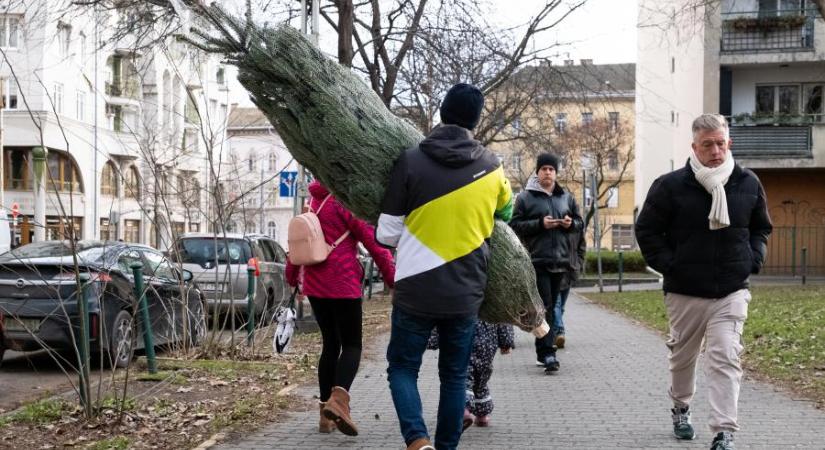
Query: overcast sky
(601,30)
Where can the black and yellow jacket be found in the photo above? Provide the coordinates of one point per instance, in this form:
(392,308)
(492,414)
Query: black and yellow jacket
(438,211)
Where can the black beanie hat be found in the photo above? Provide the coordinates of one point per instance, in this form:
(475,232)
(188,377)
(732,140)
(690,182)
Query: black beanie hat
(462,106)
(547,159)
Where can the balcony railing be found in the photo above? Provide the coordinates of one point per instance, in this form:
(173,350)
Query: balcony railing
(123,89)
(768,31)
(772,141)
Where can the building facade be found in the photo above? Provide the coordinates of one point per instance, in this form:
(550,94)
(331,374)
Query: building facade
(586,116)
(761,63)
(128,129)
(259,176)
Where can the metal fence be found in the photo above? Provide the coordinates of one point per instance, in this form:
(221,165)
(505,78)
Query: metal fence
(768,31)
(786,247)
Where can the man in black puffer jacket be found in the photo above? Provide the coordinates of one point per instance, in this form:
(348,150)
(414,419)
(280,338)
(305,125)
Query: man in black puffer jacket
(705,227)
(544,215)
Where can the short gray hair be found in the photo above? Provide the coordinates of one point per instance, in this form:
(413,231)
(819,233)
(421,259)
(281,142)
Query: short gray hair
(710,122)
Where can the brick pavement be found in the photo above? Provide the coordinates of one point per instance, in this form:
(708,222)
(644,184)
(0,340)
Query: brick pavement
(609,394)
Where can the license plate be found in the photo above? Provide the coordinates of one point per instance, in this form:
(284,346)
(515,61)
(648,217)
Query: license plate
(209,286)
(21,325)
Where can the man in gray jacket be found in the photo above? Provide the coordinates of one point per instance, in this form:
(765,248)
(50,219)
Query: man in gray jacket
(543,217)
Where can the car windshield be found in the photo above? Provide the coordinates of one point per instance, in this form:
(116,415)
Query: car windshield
(214,250)
(87,251)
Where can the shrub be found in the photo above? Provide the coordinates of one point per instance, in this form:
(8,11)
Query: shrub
(632,262)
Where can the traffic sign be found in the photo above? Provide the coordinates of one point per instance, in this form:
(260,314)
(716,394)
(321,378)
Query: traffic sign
(15,210)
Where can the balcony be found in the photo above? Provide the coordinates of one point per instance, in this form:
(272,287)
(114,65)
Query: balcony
(768,31)
(771,141)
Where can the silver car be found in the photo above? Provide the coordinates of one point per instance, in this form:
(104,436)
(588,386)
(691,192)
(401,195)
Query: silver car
(219,265)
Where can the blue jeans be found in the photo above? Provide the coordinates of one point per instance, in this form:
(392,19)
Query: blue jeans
(561,301)
(408,341)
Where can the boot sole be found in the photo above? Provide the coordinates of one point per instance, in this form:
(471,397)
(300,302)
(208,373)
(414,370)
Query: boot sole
(343,425)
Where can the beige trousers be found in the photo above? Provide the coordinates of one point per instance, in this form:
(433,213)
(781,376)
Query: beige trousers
(719,322)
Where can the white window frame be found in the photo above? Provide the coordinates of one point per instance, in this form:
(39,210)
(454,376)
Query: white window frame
(561,122)
(64,39)
(10,89)
(6,34)
(613,197)
(587,118)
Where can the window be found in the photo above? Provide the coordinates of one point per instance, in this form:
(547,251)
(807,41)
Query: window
(812,98)
(194,227)
(613,120)
(10,94)
(587,118)
(515,162)
(131,184)
(195,193)
(16,167)
(769,8)
(613,160)
(561,122)
(64,34)
(9,31)
(108,180)
(266,250)
(622,237)
(158,266)
(131,230)
(115,114)
(272,230)
(516,125)
(107,230)
(126,259)
(220,76)
(63,173)
(251,162)
(58,98)
(781,99)
(273,162)
(81,105)
(182,189)
(178,228)
(613,197)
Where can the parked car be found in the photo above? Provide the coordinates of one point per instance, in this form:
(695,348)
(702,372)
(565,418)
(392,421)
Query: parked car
(5,232)
(219,264)
(38,298)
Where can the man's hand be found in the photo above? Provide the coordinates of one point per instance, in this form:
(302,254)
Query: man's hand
(549,222)
(566,222)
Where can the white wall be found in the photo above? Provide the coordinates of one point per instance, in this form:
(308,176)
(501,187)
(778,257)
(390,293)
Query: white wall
(674,84)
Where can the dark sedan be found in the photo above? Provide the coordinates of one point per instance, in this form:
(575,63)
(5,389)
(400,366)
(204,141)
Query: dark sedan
(38,298)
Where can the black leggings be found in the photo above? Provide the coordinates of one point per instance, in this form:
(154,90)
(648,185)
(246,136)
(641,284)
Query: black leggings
(340,322)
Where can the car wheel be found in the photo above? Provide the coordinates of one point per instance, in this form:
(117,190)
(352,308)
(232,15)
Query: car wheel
(121,340)
(197,322)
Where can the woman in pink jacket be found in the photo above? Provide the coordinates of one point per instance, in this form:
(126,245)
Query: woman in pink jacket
(334,291)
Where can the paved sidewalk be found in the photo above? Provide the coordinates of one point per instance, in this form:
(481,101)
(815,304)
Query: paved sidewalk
(609,394)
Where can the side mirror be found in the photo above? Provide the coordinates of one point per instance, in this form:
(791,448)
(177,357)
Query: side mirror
(186,275)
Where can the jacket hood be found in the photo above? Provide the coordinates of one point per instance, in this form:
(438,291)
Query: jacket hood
(452,146)
(317,190)
(533,185)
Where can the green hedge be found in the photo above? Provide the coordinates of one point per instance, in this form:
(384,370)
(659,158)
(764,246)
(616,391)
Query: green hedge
(632,261)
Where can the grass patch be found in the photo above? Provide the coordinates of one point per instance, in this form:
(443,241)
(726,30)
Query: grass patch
(115,443)
(172,377)
(784,333)
(38,413)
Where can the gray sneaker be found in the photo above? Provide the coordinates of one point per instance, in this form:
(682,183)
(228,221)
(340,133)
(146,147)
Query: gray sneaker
(682,428)
(722,441)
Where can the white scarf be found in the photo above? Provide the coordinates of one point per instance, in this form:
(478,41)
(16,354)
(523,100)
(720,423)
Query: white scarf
(713,179)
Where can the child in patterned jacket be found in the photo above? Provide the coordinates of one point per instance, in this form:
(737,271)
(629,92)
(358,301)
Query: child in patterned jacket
(488,338)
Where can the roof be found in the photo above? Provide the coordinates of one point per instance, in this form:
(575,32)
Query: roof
(612,80)
(247,117)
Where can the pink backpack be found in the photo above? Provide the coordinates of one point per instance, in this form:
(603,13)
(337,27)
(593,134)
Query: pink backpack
(305,237)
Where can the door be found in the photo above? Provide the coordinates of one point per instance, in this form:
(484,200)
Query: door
(167,310)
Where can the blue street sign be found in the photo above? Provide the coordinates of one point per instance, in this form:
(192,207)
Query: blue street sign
(287,184)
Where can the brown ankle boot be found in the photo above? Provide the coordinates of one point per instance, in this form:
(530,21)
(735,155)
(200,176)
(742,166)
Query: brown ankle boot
(337,410)
(325,425)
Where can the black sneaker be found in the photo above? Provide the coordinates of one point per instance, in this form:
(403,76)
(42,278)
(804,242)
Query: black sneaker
(551,364)
(682,428)
(722,441)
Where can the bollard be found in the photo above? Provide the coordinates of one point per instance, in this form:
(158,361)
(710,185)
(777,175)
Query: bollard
(148,337)
(804,264)
(621,269)
(252,272)
(83,347)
